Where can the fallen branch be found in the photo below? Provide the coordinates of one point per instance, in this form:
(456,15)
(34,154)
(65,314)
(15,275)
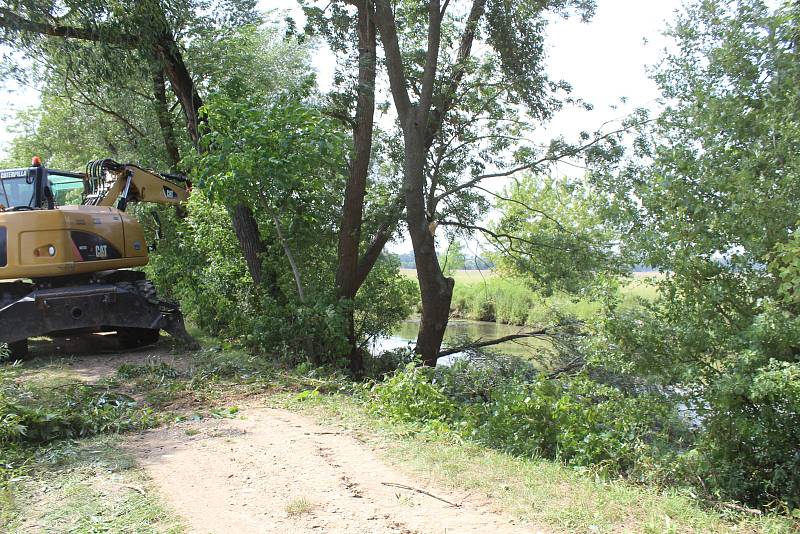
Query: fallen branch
(739,508)
(577,363)
(409,488)
(544,332)
(137,489)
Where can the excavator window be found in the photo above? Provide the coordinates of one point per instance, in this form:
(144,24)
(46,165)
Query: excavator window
(67,189)
(17,192)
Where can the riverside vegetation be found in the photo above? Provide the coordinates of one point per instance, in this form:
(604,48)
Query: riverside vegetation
(692,390)
(75,456)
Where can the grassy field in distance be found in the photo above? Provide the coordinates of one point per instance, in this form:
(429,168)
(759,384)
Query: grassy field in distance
(487,296)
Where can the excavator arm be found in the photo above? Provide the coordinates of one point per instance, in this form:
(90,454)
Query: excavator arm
(106,181)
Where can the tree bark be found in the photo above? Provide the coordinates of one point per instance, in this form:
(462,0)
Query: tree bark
(164,120)
(166,49)
(436,289)
(356,188)
(350,271)
(246,229)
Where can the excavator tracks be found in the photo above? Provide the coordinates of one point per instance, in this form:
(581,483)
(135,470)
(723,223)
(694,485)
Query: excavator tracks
(129,307)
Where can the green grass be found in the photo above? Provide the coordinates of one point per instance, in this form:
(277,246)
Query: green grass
(89,485)
(85,486)
(541,492)
(486,296)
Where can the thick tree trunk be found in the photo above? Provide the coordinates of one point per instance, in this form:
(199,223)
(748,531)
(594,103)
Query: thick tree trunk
(436,290)
(246,229)
(348,279)
(182,84)
(356,188)
(164,120)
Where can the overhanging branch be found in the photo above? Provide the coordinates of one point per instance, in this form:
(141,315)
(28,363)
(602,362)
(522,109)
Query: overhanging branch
(543,332)
(13,21)
(573,151)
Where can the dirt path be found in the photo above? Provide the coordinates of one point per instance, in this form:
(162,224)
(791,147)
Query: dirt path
(276,471)
(268,470)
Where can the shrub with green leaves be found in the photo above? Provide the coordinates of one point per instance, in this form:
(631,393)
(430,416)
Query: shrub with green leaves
(710,196)
(518,410)
(410,394)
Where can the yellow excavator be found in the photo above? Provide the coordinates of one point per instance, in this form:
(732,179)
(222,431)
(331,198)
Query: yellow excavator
(67,247)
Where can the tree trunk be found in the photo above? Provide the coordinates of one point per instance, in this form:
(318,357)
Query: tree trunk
(436,290)
(246,229)
(356,188)
(348,280)
(244,222)
(164,120)
(182,84)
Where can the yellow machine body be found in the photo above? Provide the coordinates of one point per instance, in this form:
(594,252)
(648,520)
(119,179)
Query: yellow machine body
(70,240)
(66,246)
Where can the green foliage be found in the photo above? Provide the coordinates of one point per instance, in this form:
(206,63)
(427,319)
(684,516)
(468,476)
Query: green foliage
(785,265)
(507,405)
(410,395)
(513,301)
(552,235)
(279,154)
(453,259)
(39,414)
(385,299)
(713,202)
(70,411)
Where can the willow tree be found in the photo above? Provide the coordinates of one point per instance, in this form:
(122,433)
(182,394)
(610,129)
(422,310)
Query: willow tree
(469,88)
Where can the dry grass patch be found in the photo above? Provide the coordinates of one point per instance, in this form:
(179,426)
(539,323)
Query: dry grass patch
(300,506)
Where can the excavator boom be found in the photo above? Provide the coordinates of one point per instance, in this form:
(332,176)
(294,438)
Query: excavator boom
(106,181)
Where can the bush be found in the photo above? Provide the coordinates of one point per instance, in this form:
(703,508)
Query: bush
(750,444)
(411,395)
(742,380)
(576,420)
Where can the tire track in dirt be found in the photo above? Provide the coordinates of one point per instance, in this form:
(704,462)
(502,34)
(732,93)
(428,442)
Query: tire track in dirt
(245,475)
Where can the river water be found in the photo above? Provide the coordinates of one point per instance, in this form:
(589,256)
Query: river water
(457,329)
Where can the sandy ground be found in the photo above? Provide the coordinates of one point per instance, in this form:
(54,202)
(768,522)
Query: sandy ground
(268,470)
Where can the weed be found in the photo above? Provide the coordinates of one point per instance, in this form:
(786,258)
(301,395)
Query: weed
(299,506)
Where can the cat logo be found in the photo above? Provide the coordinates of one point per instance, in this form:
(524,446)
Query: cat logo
(101,251)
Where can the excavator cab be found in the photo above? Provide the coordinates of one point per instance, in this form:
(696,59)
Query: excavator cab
(37,187)
(21,189)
